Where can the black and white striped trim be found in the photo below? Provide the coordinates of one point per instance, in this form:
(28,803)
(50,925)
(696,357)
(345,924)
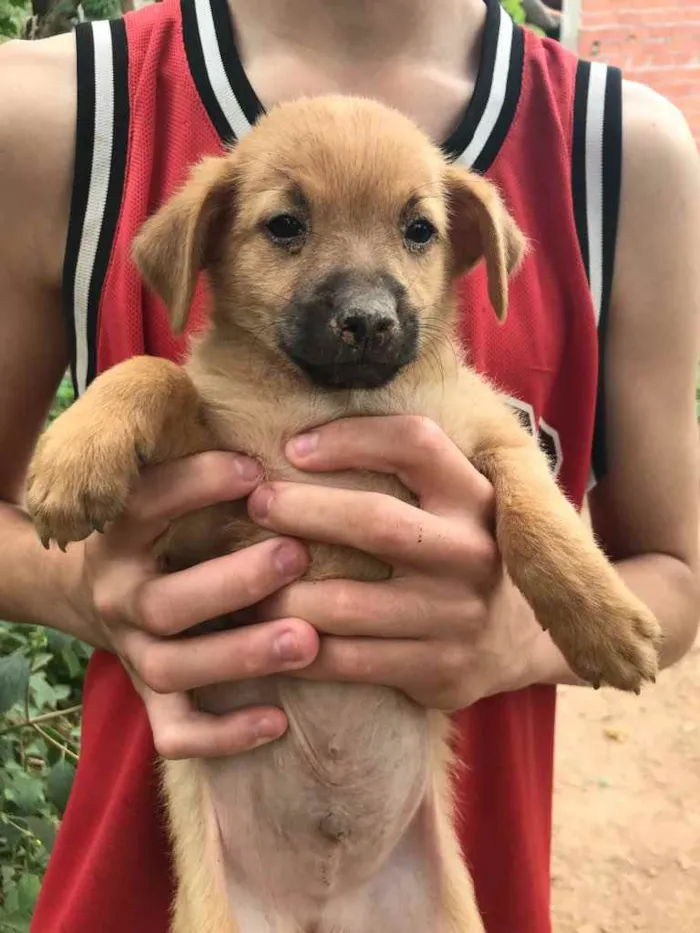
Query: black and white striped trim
(233,106)
(480,135)
(100,163)
(596,180)
(216,68)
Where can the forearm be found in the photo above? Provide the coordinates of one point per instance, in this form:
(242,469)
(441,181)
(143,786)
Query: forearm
(38,586)
(667,586)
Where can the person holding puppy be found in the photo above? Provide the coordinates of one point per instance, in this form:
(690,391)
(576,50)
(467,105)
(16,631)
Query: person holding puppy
(598,355)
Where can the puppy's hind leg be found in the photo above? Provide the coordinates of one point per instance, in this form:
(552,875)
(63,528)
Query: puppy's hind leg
(207,899)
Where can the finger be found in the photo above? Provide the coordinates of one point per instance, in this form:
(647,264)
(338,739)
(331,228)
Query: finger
(170,490)
(168,604)
(180,731)
(413,448)
(394,609)
(397,663)
(177,665)
(371,522)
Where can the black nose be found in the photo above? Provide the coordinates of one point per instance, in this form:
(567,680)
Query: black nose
(362,329)
(351,330)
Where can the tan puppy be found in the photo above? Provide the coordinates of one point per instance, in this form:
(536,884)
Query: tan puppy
(332,237)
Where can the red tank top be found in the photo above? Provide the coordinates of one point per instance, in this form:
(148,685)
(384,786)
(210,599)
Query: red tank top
(156,92)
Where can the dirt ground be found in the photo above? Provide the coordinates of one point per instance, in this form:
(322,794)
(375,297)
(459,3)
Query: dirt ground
(627,808)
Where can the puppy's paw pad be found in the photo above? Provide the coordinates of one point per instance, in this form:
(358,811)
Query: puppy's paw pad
(77,485)
(622,651)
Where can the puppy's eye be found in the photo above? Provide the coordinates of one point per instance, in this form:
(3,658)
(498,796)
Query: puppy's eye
(419,233)
(285,228)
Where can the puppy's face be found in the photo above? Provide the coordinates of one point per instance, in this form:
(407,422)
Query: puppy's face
(332,236)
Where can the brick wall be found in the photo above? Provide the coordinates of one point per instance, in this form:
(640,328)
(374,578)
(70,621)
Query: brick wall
(656,42)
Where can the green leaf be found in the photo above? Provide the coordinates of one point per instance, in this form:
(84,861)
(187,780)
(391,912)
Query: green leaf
(28,891)
(10,836)
(11,899)
(14,676)
(42,692)
(26,792)
(44,831)
(39,661)
(61,692)
(72,662)
(59,783)
(13,923)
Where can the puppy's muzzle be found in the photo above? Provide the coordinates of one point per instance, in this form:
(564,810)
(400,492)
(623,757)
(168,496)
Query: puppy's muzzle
(351,331)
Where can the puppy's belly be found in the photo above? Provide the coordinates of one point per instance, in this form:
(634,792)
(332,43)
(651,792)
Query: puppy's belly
(318,812)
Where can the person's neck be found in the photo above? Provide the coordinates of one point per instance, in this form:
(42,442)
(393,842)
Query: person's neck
(352,30)
(394,50)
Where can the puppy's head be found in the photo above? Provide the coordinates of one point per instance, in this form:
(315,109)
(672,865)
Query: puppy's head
(332,235)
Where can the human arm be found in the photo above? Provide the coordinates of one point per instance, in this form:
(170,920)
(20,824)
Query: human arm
(106,590)
(645,508)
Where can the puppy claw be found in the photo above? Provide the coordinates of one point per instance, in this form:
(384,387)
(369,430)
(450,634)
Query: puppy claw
(78,480)
(616,645)
(45,541)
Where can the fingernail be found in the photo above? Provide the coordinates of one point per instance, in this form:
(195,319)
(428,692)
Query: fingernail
(288,559)
(287,647)
(304,444)
(248,469)
(266,729)
(260,501)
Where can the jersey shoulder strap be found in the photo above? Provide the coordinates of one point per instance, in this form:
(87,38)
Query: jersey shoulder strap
(596,181)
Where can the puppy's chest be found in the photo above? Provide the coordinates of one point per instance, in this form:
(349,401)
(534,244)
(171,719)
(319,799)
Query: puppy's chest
(260,427)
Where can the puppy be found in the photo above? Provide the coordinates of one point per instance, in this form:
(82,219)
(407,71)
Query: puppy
(332,238)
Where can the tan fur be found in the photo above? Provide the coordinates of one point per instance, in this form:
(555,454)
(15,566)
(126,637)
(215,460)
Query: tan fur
(364,760)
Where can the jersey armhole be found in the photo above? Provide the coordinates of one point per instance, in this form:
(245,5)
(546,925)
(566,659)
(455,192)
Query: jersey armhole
(101,139)
(596,181)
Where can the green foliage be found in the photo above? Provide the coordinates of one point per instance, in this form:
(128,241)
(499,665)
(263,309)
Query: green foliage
(12,15)
(62,18)
(515,9)
(41,675)
(101,9)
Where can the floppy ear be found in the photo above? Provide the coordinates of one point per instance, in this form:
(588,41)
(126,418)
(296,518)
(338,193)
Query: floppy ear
(182,238)
(481,227)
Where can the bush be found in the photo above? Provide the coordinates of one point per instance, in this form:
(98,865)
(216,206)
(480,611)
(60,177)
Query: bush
(12,15)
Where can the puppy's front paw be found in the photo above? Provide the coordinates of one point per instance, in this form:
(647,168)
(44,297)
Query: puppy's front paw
(79,478)
(613,640)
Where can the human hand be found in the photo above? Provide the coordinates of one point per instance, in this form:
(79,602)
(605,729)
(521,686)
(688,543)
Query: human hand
(135,609)
(448,628)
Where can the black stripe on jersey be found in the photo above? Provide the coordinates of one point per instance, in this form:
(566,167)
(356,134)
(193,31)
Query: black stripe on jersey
(612,181)
(84,146)
(115,189)
(578,159)
(515,77)
(489,81)
(198,68)
(596,186)
(463,133)
(245,95)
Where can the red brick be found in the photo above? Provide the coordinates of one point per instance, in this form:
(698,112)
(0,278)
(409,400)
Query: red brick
(656,42)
